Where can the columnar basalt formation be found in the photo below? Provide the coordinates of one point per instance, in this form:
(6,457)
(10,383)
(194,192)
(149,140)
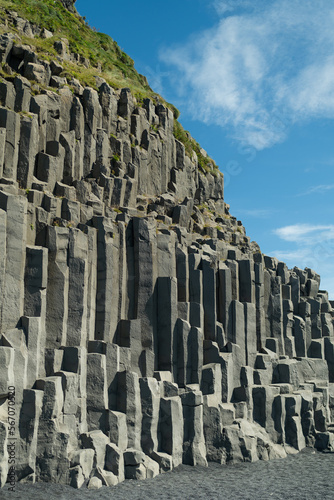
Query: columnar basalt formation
(139,325)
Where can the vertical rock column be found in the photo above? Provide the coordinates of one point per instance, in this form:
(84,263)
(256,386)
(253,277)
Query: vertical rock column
(11,122)
(75,361)
(77,293)
(97,391)
(167,261)
(58,284)
(150,404)
(77,124)
(91,279)
(107,280)
(129,335)
(52,444)
(183,353)
(3,245)
(259,301)
(28,150)
(238,332)
(13,284)
(224,294)
(288,322)
(128,402)
(34,328)
(33,323)
(123,275)
(194,449)
(167,316)
(182,272)
(93,121)
(2,149)
(209,299)
(250,333)
(277,313)
(171,428)
(3,453)
(29,420)
(145,252)
(35,281)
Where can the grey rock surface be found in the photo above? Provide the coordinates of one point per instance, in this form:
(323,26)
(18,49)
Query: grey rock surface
(69,4)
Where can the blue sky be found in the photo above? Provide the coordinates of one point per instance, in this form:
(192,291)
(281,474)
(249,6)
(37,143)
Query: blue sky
(254,81)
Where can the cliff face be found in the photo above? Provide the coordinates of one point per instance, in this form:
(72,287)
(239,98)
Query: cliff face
(139,325)
(69,5)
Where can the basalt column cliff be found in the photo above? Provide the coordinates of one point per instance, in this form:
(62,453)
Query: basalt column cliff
(139,326)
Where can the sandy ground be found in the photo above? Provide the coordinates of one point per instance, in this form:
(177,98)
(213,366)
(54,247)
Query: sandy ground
(306,476)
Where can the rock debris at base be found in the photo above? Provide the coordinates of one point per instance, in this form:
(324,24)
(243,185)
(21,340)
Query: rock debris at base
(273,480)
(140,326)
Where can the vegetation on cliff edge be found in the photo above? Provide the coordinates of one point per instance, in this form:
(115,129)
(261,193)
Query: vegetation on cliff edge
(102,52)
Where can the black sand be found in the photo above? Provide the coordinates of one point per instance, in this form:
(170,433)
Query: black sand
(306,476)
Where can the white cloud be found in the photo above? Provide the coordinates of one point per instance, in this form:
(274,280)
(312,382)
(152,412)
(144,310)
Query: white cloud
(319,258)
(260,69)
(225,6)
(321,189)
(306,234)
(309,246)
(290,255)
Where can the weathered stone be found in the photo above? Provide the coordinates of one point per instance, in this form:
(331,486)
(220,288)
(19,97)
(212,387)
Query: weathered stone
(128,402)
(93,121)
(97,441)
(23,94)
(13,284)
(35,281)
(150,403)
(167,315)
(95,483)
(171,428)
(4,454)
(49,168)
(7,94)
(114,461)
(36,72)
(97,391)
(28,149)
(263,401)
(117,429)
(209,299)
(6,44)
(145,271)
(77,478)
(11,122)
(58,282)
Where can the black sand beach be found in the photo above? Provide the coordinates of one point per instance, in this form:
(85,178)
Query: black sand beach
(308,475)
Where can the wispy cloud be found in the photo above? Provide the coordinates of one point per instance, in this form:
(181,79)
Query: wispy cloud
(306,234)
(228,6)
(309,246)
(261,68)
(319,259)
(321,189)
(292,255)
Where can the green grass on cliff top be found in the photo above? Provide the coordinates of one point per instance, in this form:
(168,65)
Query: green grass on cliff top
(97,47)
(101,50)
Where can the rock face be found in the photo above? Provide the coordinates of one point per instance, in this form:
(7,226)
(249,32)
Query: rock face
(139,326)
(69,4)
